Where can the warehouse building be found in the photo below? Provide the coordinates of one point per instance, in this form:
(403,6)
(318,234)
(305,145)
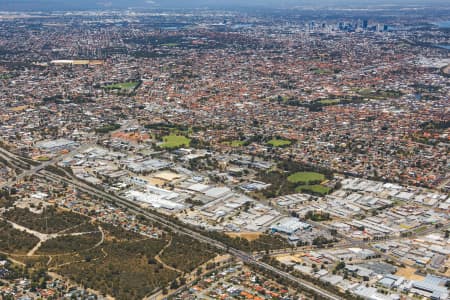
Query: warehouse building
(289,226)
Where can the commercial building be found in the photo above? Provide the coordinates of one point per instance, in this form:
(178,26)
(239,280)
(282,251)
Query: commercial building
(289,226)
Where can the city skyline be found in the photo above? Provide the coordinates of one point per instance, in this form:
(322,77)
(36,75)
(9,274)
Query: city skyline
(165,4)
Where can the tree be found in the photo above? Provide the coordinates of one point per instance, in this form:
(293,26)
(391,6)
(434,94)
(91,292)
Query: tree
(174,285)
(340,266)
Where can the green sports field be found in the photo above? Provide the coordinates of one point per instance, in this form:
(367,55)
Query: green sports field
(122,86)
(316,188)
(175,141)
(279,143)
(305,177)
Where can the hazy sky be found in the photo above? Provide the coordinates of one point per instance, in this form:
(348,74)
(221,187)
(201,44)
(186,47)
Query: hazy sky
(89,4)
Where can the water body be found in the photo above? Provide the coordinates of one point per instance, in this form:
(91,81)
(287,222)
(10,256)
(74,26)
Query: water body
(445,24)
(444,46)
(242,26)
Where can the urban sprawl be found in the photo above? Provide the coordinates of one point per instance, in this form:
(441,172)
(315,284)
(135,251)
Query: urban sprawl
(224,155)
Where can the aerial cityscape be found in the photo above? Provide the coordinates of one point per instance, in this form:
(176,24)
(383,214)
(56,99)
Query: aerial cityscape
(205,149)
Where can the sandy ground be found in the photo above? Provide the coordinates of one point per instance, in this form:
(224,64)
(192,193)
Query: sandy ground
(408,273)
(156,181)
(448,268)
(251,236)
(447,70)
(288,258)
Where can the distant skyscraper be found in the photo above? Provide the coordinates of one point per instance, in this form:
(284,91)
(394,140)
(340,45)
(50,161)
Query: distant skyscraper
(365,24)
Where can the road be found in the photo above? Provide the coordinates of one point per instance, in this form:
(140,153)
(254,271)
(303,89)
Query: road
(350,242)
(135,208)
(42,166)
(40,170)
(28,170)
(31,170)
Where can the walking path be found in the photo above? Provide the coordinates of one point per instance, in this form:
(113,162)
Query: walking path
(158,258)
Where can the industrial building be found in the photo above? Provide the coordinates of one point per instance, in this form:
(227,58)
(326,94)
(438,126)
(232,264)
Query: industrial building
(289,226)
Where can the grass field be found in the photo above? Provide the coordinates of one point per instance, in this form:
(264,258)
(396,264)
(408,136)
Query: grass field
(175,141)
(329,101)
(6,76)
(122,86)
(43,158)
(305,177)
(316,188)
(279,143)
(321,71)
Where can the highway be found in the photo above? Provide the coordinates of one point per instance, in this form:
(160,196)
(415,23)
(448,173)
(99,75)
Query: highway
(135,208)
(41,171)
(350,242)
(28,170)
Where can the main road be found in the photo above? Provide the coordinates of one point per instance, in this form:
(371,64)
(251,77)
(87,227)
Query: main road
(40,170)
(29,170)
(135,208)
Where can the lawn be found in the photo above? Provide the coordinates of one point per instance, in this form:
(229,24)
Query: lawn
(175,141)
(122,86)
(306,177)
(43,158)
(170,45)
(279,143)
(316,189)
(321,71)
(6,76)
(329,101)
